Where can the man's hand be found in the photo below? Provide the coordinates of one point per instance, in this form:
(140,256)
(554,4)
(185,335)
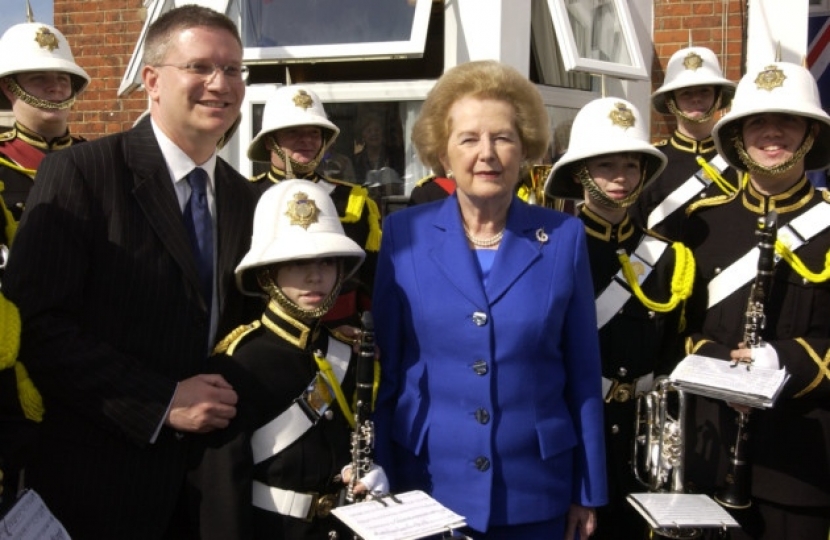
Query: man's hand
(582,520)
(201,404)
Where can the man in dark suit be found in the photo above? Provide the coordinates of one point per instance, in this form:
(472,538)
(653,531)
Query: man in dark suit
(123,285)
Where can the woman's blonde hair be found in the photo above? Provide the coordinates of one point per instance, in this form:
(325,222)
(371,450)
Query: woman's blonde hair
(484,79)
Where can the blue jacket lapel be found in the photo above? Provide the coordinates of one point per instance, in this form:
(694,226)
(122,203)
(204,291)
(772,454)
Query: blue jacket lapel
(518,250)
(452,256)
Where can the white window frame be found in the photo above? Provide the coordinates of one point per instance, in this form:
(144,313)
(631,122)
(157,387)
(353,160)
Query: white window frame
(412,48)
(570,53)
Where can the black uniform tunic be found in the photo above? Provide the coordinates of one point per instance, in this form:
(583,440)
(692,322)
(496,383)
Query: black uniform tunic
(682,153)
(268,372)
(360,218)
(790,443)
(632,344)
(21,152)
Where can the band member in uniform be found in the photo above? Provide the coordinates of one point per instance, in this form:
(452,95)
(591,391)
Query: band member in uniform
(294,138)
(694,91)
(640,280)
(39,82)
(775,131)
(274,474)
(490,392)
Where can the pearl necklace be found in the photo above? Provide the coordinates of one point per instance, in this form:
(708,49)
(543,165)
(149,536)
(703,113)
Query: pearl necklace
(484,242)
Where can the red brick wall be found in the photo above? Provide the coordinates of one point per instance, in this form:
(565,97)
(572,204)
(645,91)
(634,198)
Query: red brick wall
(673,19)
(102,34)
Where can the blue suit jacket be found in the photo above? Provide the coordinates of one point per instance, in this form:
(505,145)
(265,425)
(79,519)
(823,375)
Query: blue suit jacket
(490,396)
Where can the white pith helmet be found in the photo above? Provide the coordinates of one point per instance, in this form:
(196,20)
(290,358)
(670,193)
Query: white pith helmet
(692,66)
(295,220)
(29,47)
(604,126)
(780,87)
(291,106)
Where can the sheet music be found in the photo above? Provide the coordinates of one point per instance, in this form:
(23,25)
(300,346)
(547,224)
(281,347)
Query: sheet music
(756,387)
(417,515)
(30,519)
(667,510)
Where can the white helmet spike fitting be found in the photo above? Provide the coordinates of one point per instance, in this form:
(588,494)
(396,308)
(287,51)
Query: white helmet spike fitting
(29,47)
(780,87)
(604,126)
(295,220)
(692,66)
(291,106)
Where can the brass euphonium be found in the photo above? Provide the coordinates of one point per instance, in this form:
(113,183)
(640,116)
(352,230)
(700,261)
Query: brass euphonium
(658,451)
(538,174)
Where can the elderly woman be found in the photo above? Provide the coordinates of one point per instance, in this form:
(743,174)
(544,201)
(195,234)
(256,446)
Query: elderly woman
(775,131)
(490,396)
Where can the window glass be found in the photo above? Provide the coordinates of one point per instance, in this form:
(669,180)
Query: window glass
(330,29)
(324,22)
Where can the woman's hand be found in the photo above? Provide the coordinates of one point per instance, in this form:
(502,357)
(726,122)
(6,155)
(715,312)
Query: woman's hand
(581,519)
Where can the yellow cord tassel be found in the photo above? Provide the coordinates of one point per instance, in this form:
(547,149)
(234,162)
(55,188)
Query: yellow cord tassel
(798,265)
(682,281)
(30,400)
(715,176)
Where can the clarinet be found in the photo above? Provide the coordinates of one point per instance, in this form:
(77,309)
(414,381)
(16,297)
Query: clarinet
(363,436)
(738,482)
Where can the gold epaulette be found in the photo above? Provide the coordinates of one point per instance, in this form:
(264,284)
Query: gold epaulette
(664,142)
(425,179)
(229,342)
(708,202)
(340,336)
(258,177)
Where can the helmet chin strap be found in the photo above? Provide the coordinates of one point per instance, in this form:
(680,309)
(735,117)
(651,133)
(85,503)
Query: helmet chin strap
(756,168)
(35,102)
(671,105)
(595,192)
(266,278)
(292,166)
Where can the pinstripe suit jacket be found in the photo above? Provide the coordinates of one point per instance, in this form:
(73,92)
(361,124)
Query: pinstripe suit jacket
(107,287)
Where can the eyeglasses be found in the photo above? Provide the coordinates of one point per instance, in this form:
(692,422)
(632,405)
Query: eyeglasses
(207,70)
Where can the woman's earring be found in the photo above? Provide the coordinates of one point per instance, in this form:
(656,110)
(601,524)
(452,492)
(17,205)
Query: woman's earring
(449,174)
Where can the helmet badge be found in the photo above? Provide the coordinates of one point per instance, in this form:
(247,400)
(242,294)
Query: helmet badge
(622,116)
(46,39)
(302,211)
(692,61)
(303,100)
(771,77)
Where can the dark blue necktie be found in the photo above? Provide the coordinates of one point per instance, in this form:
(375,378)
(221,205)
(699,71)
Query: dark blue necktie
(199,226)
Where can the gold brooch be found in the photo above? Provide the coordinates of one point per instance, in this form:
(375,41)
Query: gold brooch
(302,211)
(771,77)
(638,268)
(46,39)
(622,116)
(692,61)
(303,100)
